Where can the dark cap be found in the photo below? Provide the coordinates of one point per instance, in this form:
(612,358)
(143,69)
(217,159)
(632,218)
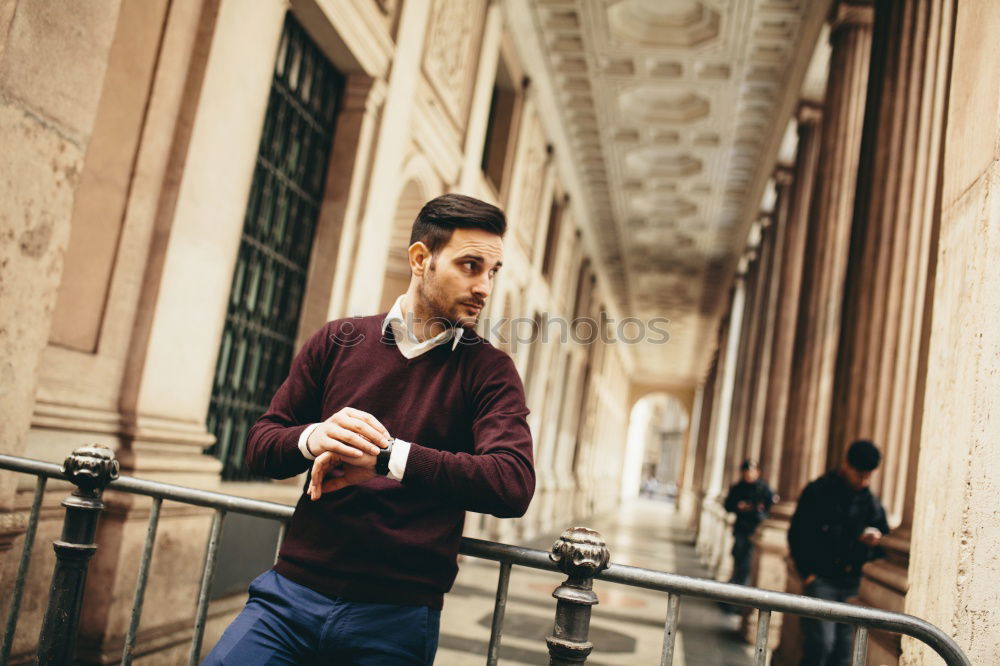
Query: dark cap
(748,464)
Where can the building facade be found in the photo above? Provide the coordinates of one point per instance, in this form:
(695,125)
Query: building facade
(197,187)
(190,189)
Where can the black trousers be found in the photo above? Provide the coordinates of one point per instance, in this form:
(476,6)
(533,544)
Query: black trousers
(742,557)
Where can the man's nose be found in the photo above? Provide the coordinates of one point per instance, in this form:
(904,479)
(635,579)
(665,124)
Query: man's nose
(481,288)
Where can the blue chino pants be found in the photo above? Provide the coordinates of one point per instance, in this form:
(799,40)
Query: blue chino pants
(286,623)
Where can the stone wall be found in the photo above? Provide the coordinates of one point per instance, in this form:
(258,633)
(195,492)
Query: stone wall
(954,566)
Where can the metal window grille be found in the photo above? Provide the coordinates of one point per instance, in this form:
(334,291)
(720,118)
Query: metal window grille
(269,281)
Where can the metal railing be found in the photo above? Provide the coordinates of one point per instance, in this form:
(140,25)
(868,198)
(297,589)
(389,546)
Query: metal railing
(580,553)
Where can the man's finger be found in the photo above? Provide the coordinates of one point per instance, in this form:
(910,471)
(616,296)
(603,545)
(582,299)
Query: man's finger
(365,430)
(354,440)
(318,471)
(343,442)
(369,419)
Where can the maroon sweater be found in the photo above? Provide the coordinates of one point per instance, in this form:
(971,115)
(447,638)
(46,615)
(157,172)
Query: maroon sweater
(463,411)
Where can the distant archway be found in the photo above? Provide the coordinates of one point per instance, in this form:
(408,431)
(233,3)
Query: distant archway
(654,452)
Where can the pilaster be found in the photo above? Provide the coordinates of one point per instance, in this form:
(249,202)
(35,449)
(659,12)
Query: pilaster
(394,137)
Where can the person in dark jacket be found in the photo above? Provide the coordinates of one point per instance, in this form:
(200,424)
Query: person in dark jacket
(836,529)
(750,499)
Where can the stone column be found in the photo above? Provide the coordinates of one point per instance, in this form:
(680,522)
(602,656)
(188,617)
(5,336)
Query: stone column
(826,248)
(694,470)
(880,373)
(789,281)
(825,263)
(880,369)
(712,532)
(736,442)
(956,536)
(772,234)
(770,571)
(777,233)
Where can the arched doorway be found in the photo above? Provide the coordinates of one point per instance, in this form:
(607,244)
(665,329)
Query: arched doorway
(658,424)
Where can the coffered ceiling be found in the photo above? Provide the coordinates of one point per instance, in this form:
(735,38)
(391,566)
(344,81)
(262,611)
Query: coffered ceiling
(674,111)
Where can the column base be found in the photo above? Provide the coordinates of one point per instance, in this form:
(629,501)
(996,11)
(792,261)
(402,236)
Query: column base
(883,585)
(769,572)
(715,538)
(789,649)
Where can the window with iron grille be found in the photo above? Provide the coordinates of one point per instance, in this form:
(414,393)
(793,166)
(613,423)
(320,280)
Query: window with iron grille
(269,281)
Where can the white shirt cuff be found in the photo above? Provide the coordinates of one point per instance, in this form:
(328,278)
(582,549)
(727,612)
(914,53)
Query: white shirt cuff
(303,442)
(397,459)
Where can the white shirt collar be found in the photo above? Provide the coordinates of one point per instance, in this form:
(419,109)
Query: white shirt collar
(401,332)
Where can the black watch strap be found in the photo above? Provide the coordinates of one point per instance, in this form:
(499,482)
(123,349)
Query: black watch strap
(382,459)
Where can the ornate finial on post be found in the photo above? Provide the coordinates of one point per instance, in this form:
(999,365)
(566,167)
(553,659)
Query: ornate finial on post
(581,554)
(90,468)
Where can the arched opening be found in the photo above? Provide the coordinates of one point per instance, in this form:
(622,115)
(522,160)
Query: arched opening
(397,270)
(654,448)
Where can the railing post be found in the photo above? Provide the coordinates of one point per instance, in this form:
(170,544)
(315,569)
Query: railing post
(91,469)
(581,554)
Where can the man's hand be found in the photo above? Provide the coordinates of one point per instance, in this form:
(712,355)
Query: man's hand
(870,537)
(348,434)
(809,579)
(743,505)
(331,472)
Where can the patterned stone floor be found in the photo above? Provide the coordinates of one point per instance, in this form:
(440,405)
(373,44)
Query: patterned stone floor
(627,625)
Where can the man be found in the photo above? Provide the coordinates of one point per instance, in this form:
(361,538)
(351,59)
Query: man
(408,420)
(750,499)
(837,526)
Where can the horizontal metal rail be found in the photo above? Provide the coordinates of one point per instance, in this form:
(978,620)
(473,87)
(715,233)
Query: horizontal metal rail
(584,545)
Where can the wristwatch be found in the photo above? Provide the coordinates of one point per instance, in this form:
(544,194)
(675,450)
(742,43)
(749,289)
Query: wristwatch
(382,459)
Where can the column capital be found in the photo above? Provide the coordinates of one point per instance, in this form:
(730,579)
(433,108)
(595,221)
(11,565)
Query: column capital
(851,14)
(808,113)
(783,175)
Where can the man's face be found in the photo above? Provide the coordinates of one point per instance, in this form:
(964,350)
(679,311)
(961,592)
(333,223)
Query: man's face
(857,479)
(750,475)
(459,279)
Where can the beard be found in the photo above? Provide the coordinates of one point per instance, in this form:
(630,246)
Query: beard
(439,306)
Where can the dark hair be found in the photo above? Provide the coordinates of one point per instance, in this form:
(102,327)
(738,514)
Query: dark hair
(863,455)
(442,215)
(748,464)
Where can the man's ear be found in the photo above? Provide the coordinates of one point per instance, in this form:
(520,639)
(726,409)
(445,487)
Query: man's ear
(420,258)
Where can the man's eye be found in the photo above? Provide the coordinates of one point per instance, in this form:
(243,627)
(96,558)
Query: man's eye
(469,265)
